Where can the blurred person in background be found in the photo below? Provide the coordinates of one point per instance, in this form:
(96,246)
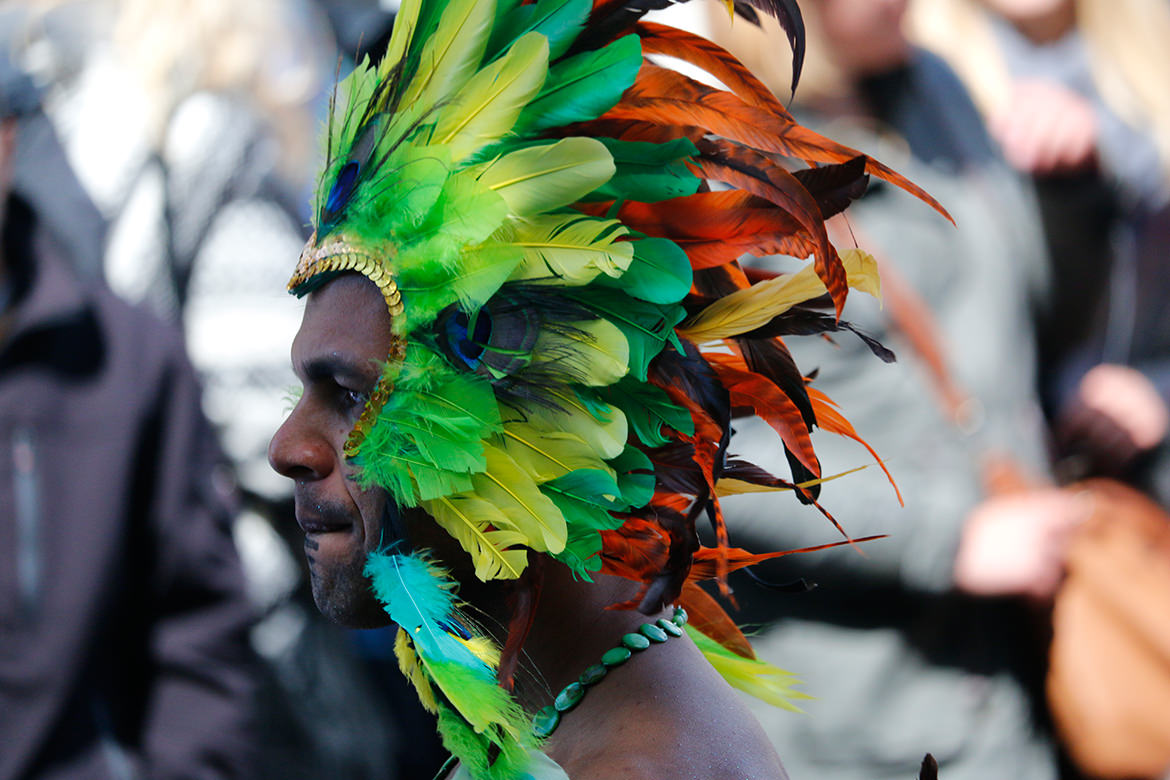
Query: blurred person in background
(923,641)
(123,616)
(192,125)
(1077,92)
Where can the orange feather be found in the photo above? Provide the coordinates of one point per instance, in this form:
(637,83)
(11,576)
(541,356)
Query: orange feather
(762,396)
(677,100)
(712,58)
(830,419)
(707,617)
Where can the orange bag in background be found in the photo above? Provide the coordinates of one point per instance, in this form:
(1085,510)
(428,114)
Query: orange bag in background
(1108,680)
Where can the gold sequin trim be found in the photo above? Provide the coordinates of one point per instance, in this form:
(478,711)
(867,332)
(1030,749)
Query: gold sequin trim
(378,399)
(339,254)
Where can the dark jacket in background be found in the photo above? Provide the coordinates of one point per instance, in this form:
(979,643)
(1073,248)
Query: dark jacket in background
(123,621)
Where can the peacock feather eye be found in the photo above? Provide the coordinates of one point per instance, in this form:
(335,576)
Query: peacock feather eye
(342,189)
(361,156)
(468,336)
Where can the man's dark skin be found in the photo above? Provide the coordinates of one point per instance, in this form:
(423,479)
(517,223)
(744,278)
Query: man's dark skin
(666,713)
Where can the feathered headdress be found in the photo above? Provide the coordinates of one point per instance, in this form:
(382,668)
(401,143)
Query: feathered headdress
(554,221)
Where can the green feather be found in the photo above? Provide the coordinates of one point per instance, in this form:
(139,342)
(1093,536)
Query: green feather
(660,273)
(428,438)
(487,107)
(635,476)
(585,498)
(474,750)
(584,86)
(543,178)
(649,172)
(582,553)
(560,21)
(648,410)
(443,269)
(570,249)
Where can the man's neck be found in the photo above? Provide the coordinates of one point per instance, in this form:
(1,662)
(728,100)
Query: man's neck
(571,631)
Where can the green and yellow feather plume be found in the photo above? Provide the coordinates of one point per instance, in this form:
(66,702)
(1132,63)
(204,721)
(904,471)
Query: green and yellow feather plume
(512,177)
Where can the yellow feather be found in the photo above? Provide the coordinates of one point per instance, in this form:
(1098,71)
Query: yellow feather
(548,454)
(411,668)
(452,54)
(487,107)
(466,517)
(543,178)
(752,676)
(735,487)
(571,249)
(482,648)
(606,435)
(746,310)
(405,22)
(512,490)
(597,356)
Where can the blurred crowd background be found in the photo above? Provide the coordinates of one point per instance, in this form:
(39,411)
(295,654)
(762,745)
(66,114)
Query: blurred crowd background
(157,157)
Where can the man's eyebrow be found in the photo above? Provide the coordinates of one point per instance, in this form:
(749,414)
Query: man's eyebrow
(339,367)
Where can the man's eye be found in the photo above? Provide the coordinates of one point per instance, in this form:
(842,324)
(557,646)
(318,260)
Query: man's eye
(354,399)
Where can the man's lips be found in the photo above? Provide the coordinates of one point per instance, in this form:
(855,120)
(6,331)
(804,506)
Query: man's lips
(321,525)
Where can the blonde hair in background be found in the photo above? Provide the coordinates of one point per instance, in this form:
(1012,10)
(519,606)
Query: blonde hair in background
(765,51)
(1129,50)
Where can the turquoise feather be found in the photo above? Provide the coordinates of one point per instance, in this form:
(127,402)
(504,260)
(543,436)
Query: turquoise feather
(420,598)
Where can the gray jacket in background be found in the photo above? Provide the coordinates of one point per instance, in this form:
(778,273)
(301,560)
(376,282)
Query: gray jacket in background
(897,663)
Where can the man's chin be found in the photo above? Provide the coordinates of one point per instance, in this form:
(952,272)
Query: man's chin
(351,613)
(348,601)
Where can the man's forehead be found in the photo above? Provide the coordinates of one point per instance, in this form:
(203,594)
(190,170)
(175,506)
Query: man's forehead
(348,316)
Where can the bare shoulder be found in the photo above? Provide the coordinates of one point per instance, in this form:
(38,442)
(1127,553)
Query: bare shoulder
(666,714)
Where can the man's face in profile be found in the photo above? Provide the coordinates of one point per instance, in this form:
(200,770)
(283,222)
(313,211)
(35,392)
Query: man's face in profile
(344,337)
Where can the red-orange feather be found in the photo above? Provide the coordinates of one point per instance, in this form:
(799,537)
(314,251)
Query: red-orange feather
(749,170)
(705,565)
(714,228)
(762,396)
(707,617)
(667,100)
(830,419)
(712,58)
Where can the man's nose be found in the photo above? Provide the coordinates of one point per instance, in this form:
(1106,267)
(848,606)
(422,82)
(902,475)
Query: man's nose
(296,452)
